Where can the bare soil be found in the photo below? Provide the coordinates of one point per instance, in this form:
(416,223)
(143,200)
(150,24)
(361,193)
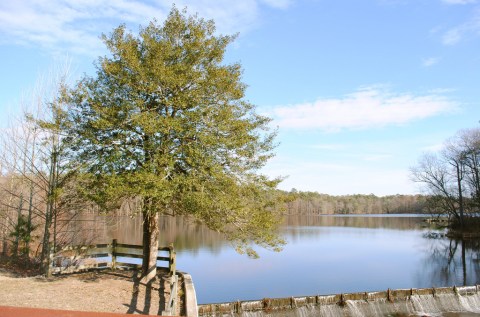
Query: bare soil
(101,291)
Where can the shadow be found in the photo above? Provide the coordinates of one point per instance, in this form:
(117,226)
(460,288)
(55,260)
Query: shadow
(52,278)
(91,278)
(88,276)
(148,298)
(120,274)
(161,296)
(133,306)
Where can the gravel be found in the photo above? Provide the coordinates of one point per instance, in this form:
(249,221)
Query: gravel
(90,291)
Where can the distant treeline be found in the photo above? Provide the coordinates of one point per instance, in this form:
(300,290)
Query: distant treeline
(313,203)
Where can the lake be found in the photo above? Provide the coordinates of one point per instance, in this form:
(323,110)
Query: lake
(325,254)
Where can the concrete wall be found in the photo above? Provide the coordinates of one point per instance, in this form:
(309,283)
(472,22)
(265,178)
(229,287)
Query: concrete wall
(399,299)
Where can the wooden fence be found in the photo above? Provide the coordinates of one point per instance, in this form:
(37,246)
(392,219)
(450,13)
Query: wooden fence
(113,255)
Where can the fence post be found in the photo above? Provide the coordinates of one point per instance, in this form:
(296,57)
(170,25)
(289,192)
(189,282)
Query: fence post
(172,263)
(173,295)
(171,305)
(114,254)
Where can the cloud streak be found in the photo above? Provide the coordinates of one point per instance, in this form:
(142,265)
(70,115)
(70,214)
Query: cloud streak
(365,108)
(75,26)
(459,1)
(428,62)
(470,28)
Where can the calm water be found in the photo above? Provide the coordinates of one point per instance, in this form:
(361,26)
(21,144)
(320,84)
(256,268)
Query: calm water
(324,255)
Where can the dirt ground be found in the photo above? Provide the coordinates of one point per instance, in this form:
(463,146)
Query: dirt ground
(103,291)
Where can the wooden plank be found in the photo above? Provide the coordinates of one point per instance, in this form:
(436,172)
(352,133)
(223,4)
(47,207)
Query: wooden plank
(119,264)
(128,250)
(132,246)
(103,245)
(109,245)
(99,255)
(139,256)
(129,255)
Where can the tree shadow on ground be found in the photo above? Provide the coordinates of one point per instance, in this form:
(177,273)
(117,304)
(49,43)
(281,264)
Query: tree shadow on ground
(140,290)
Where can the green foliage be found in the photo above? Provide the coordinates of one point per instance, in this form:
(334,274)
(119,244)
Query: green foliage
(166,121)
(22,231)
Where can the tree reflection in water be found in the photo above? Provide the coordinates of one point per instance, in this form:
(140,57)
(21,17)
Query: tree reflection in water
(450,262)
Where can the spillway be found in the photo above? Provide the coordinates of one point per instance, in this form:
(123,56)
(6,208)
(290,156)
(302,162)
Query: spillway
(402,302)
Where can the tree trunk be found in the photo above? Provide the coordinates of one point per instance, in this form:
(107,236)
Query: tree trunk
(150,246)
(45,256)
(145,241)
(16,245)
(54,216)
(4,247)
(460,194)
(5,235)
(52,185)
(464,264)
(30,202)
(29,222)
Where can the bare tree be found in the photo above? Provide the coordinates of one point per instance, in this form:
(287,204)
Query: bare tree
(451,177)
(17,156)
(470,143)
(35,170)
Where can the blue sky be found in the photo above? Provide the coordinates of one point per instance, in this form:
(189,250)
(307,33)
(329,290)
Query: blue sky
(359,89)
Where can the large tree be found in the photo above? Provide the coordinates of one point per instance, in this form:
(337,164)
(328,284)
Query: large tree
(165,121)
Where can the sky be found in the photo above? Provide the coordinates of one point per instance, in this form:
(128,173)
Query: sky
(358,89)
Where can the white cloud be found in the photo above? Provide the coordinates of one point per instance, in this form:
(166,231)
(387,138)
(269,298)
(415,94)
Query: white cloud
(365,108)
(280,4)
(453,36)
(75,26)
(465,30)
(459,1)
(440,91)
(427,62)
(230,16)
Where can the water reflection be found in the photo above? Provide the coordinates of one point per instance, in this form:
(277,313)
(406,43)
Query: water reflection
(300,227)
(397,222)
(324,255)
(186,234)
(190,235)
(450,262)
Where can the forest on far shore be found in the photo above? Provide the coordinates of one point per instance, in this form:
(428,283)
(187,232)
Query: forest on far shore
(313,203)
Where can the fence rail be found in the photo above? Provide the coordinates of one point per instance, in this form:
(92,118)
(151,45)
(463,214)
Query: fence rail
(113,255)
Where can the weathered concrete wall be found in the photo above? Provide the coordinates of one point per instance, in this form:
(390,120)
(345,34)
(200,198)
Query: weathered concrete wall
(391,301)
(190,297)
